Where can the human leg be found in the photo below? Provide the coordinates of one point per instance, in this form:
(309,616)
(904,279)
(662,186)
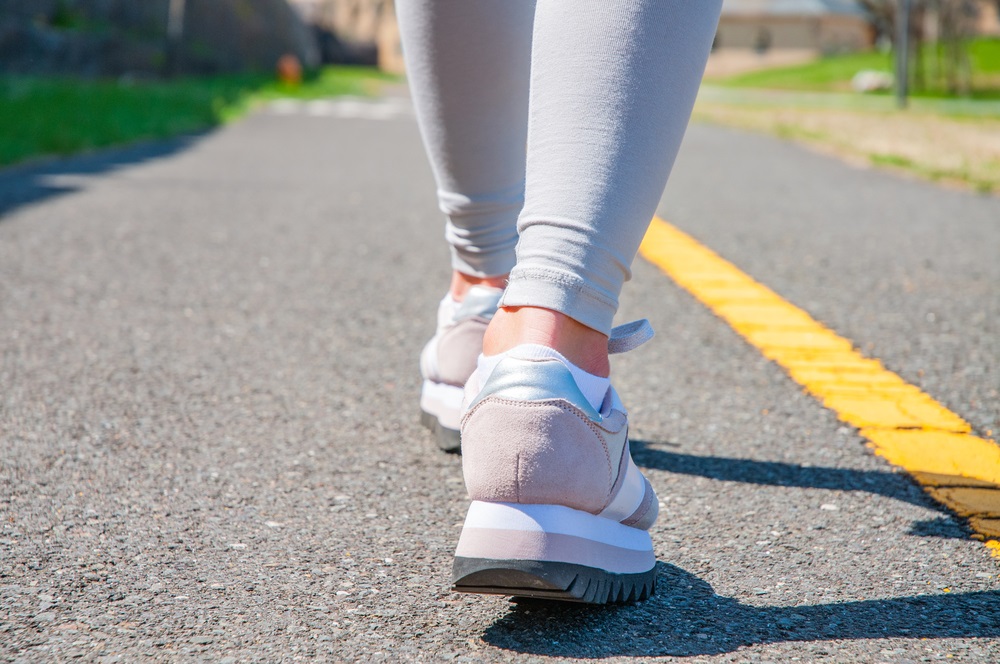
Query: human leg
(612,87)
(559,508)
(468,63)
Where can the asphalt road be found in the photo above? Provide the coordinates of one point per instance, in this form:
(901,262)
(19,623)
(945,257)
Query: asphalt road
(209,446)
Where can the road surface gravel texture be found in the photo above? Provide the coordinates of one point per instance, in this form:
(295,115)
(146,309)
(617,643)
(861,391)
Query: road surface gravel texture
(211,449)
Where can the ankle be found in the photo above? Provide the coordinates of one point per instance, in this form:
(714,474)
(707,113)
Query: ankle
(461,283)
(513,326)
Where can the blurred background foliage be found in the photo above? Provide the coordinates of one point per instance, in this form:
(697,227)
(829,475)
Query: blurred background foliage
(66,115)
(77,75)
(111,38)
(84,74)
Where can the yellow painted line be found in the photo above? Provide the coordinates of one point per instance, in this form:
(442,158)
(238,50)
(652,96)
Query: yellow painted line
(902,423)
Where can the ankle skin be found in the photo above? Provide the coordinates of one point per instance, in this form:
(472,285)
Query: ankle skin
(512,326)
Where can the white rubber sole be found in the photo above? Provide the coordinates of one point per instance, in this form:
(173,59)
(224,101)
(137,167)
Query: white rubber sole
(553,552)
(444,402)
(440,411)
(554,533)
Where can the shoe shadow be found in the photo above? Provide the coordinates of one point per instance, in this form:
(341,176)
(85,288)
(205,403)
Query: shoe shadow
(685,618)
(897,486)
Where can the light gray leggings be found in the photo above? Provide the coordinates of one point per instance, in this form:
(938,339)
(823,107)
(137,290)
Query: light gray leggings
(551,127)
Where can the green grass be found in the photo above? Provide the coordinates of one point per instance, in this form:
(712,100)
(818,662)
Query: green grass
(984,55)
(47,116)
(892,160)
(983,186)
(834,73)
(825,74)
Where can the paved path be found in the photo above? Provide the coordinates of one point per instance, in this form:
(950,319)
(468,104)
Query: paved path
(985,108)
(210,447)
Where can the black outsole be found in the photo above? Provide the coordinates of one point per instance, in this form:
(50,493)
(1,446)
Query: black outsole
(448,440)
(564,582)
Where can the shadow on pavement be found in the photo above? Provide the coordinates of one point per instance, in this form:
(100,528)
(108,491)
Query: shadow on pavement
(941,527)
(897,486)
(30,183)
(685,617)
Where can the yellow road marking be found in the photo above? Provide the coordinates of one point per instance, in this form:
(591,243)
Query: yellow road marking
(902,423)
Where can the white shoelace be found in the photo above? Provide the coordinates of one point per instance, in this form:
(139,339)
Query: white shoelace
(629,336)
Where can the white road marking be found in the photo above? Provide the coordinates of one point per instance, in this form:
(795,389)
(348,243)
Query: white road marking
(344,108)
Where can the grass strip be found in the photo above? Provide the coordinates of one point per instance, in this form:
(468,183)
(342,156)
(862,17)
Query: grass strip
(827,74)
(63,116)
(834,73)
(942,138)
(956,151)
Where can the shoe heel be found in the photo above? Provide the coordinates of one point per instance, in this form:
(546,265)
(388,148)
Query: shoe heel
(552,552)
(439,411)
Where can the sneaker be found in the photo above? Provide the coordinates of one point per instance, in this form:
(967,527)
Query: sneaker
(449,358)
(559,509)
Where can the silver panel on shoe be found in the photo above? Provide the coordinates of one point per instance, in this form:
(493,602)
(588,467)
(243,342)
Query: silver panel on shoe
(535,380)
(479,301)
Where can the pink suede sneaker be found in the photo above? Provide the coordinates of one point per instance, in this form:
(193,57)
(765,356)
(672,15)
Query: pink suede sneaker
(449,358)
(559,509)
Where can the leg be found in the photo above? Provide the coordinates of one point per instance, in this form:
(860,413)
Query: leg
(612,87)
(559,508)
(468,64)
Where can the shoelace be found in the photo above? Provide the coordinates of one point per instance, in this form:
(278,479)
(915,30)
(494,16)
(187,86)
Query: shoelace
(629,336)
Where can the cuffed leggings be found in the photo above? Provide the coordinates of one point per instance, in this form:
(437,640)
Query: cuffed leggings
(551,127)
